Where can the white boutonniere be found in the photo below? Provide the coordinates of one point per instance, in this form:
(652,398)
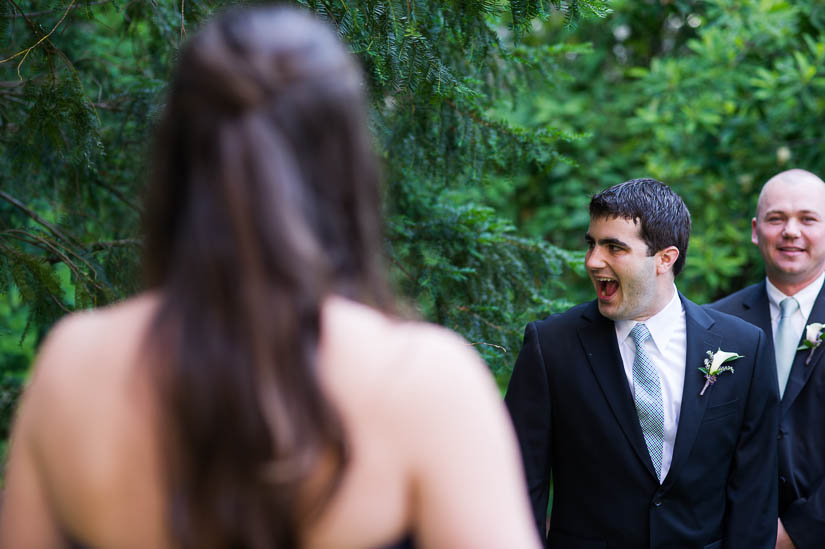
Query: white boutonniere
(814,334)
(714,366)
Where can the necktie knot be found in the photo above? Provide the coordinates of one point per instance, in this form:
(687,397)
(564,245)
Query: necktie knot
(788,306)
(639,334)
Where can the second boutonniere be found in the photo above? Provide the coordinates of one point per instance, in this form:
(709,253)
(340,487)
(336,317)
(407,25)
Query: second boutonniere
(814,334)
(714,366)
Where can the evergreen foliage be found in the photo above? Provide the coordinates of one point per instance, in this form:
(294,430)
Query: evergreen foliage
(437,71)
(496,120)
(712,98)
(80,83)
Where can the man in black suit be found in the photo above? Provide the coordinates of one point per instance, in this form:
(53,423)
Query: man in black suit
(789,229)
(646,450)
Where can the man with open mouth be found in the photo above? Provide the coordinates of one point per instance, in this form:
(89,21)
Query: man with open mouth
(789,229)
(644,448)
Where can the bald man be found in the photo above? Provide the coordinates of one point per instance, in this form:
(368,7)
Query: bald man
(789,229)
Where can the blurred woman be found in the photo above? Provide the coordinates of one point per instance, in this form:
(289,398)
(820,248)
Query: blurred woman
(261,393)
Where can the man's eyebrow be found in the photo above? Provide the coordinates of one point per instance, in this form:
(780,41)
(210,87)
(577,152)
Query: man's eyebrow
(783,212)
(613,241)
(606,241)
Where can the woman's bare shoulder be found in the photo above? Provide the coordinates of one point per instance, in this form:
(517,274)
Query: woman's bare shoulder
(407,361)
(441,415)
(352,328)
(86,349)
(116,317)
(84,417)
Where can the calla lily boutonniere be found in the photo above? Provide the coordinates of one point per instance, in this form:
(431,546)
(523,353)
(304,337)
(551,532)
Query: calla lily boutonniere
(814,334)
(714,366)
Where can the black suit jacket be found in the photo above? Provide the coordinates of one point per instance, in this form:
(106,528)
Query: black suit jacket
(802,422)
(574,414)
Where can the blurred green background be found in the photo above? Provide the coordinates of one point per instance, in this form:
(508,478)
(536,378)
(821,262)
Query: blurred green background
(495,122)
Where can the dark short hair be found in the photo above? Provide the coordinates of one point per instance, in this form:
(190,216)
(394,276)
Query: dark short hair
(664,218)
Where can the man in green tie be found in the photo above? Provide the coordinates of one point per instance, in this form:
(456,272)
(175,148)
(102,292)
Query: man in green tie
(789,229)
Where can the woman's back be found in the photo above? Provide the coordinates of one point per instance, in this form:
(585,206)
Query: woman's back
(431,453)
(247,400)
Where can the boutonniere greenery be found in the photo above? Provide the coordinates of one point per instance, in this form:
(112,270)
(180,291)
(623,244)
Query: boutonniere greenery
(814,334)
(714,366)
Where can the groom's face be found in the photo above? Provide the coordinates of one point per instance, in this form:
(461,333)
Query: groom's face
(621,269)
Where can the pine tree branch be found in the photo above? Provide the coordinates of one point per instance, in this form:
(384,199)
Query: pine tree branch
(329,11)
(49,46)
(182,27)
(474,115)
(402,269)
(35,31)
(32,214)
(106,244)
(25,53)
(24,14)
(472,344)
(59,303)
(47,12)
(123,198)
(465,309)
(57,256)
(13,95)
(112,107)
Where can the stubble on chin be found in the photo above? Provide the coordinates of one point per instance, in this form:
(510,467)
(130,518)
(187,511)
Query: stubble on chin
(608,312)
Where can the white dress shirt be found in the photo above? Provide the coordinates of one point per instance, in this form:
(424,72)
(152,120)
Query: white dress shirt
(667,348)
(805,297)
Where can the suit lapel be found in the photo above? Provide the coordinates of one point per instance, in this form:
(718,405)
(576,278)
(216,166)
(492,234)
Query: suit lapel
(598,337)
(699,341)
(756,310)
(800,372)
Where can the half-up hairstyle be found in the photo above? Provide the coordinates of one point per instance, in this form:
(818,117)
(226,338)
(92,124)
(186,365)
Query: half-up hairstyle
(263,200)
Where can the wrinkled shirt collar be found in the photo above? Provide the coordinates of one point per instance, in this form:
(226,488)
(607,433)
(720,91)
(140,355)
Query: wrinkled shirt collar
(805,297)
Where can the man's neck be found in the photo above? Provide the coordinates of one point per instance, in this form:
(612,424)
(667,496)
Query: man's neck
(790,288)
(665,295)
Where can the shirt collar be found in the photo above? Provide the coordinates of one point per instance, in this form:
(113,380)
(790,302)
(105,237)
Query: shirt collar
(806,296)
(660,325)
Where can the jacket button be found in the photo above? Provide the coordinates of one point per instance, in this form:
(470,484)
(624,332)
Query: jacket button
(657,503)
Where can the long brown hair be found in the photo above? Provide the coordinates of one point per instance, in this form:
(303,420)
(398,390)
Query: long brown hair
(263,200)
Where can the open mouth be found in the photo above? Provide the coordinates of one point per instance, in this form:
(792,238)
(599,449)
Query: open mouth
(606,287)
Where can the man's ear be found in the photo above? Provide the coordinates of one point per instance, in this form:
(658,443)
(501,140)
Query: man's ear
(754,239)
(666,259)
